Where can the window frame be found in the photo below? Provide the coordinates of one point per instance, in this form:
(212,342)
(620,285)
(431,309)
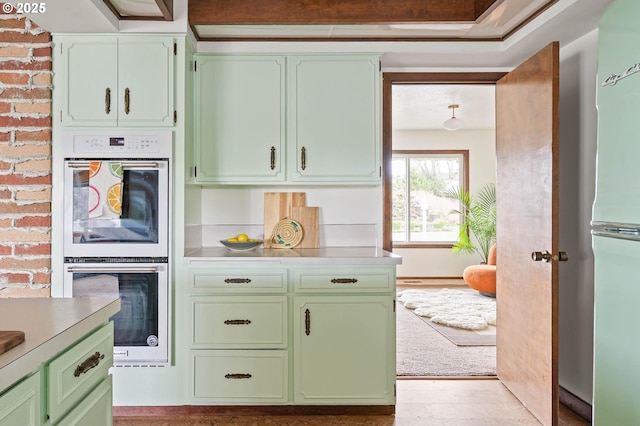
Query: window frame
(465,182)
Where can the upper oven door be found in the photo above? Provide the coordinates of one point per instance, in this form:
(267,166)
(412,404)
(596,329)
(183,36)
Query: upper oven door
(103,219)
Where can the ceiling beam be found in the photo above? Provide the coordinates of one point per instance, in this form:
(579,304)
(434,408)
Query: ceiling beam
(333,12)
(166,8)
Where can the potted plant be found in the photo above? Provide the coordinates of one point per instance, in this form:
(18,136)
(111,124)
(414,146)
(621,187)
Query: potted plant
(478,216)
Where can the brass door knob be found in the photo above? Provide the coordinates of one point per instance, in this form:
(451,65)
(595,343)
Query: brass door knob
(545,256)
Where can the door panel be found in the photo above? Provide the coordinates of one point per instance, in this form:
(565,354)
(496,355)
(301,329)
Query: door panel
(527,188)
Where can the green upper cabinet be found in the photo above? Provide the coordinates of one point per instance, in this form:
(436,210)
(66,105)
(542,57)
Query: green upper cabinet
(294,119)
(334,118)
(239,118)
(115,81)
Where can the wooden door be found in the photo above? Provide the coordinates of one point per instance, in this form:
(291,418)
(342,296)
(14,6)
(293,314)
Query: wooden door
(527,190)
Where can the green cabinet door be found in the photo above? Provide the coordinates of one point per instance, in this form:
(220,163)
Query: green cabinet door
(88,71)
(21,405)
(334,118)
(145,81)
(344,350)
(114,81)
(239,119)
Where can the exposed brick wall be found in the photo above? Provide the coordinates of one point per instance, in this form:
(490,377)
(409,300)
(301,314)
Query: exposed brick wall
(25,158)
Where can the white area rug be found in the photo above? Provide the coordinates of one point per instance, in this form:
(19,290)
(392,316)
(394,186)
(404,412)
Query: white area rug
(455,308)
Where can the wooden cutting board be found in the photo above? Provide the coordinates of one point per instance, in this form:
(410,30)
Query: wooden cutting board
(278,205)
(10,339)
(308,217)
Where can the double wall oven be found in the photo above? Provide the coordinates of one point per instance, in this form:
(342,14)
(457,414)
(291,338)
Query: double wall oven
(116,234)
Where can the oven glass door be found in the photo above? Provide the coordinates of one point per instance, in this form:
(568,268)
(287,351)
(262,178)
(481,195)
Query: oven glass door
(130,220)
(141,326)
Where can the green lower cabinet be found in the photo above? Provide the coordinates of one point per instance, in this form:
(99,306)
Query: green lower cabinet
(239,377)
(21,404)
(344,350)
(95,408)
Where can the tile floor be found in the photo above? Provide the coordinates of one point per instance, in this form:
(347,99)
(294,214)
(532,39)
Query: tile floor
(419,402)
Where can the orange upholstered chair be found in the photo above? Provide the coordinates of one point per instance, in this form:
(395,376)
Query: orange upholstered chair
(483,277)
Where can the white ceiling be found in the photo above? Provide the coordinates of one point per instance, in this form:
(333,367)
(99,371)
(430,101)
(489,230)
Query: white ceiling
(425,106)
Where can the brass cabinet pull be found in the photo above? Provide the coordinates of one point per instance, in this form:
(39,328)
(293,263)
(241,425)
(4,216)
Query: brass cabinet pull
(237,280)
(88,364)
(237,322)
(546,257)
(237,376)
(127,96)
(307,322)
(344,280)
(107,101)
(273,157)
(303,158)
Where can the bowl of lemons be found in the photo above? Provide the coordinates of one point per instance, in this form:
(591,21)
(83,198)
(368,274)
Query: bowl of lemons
(241,242)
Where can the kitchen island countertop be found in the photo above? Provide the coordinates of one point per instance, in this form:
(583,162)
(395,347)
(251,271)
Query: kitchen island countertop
(294,256)
(50,326)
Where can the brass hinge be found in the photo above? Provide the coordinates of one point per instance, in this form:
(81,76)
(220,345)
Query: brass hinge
(395,392)
(175,49)
(175,117)
(379,65)
(394,306)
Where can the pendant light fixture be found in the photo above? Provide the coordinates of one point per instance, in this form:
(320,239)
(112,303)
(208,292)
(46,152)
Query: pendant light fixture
(453,123)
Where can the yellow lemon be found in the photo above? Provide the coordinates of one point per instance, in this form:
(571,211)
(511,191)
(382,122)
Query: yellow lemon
(243,237)
(232,240)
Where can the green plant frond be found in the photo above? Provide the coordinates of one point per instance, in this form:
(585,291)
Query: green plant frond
(478,219)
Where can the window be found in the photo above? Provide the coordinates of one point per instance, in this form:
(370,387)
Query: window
(421,213)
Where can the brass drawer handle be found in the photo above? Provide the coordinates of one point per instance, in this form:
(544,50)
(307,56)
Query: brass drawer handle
(344,280)
(237,322)
(107,101)
(88,364)
(307,322)
(127,100)
(303,158)
(237,376)
(237,280)
(273,157)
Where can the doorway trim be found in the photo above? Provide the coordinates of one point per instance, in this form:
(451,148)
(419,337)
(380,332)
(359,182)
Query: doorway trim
(388,80)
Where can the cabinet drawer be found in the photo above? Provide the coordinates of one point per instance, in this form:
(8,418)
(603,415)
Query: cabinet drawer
(21,404)
(228,322)
(238,280)
(74,373)
(344,280)
(96,409)
(239,376)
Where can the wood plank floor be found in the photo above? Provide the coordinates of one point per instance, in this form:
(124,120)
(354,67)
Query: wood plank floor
(419,402)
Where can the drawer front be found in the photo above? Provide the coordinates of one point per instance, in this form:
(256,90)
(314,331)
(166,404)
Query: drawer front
(21,404)
(228,322)
(74,373)
(250,377)
(238,280)
(95,410)
(335,279)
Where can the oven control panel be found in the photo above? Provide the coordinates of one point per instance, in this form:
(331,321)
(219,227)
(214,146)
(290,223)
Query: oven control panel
(130,145)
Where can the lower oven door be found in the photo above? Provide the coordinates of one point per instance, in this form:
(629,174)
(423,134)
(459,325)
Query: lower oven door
(141,328)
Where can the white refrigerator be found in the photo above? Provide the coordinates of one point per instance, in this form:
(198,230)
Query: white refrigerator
(616,219)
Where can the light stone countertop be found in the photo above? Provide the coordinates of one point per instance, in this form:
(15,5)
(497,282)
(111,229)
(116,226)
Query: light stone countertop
(50,326)
(308,257)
